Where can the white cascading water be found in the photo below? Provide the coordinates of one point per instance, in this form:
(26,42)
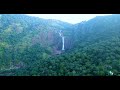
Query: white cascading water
(62,40)
(63,43)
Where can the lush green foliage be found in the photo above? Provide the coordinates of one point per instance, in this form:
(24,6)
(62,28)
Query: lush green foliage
(26,47)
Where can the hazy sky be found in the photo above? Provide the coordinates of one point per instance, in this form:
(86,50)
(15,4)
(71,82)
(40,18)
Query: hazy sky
(71,18)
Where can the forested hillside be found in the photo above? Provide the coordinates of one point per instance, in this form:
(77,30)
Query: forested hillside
(31,46)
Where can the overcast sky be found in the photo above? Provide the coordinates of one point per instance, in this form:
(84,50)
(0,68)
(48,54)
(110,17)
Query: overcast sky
(70,18)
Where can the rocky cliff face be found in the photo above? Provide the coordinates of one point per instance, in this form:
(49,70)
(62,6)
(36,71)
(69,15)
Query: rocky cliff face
(23,34)
(52,39)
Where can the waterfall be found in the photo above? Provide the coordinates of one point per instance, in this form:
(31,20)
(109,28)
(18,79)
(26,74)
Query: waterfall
(60,34)
(62,40)
(63,43)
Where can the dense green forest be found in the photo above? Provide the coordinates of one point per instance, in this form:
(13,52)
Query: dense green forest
(31,46)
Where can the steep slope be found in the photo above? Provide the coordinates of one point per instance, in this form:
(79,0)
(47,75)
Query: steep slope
(92,47)
(96,51)
(25,39)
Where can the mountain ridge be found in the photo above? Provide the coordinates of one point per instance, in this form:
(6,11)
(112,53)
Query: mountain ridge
(91,47)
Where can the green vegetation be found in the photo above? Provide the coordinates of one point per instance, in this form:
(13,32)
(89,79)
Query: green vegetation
(28,44)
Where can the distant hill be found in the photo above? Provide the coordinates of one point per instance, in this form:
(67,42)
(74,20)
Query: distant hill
(28,46)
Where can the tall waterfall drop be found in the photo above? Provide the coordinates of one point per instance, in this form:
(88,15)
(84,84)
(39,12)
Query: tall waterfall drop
(63,43)
(62,40)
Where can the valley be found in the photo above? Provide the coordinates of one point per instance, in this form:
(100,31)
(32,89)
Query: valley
(32,46)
